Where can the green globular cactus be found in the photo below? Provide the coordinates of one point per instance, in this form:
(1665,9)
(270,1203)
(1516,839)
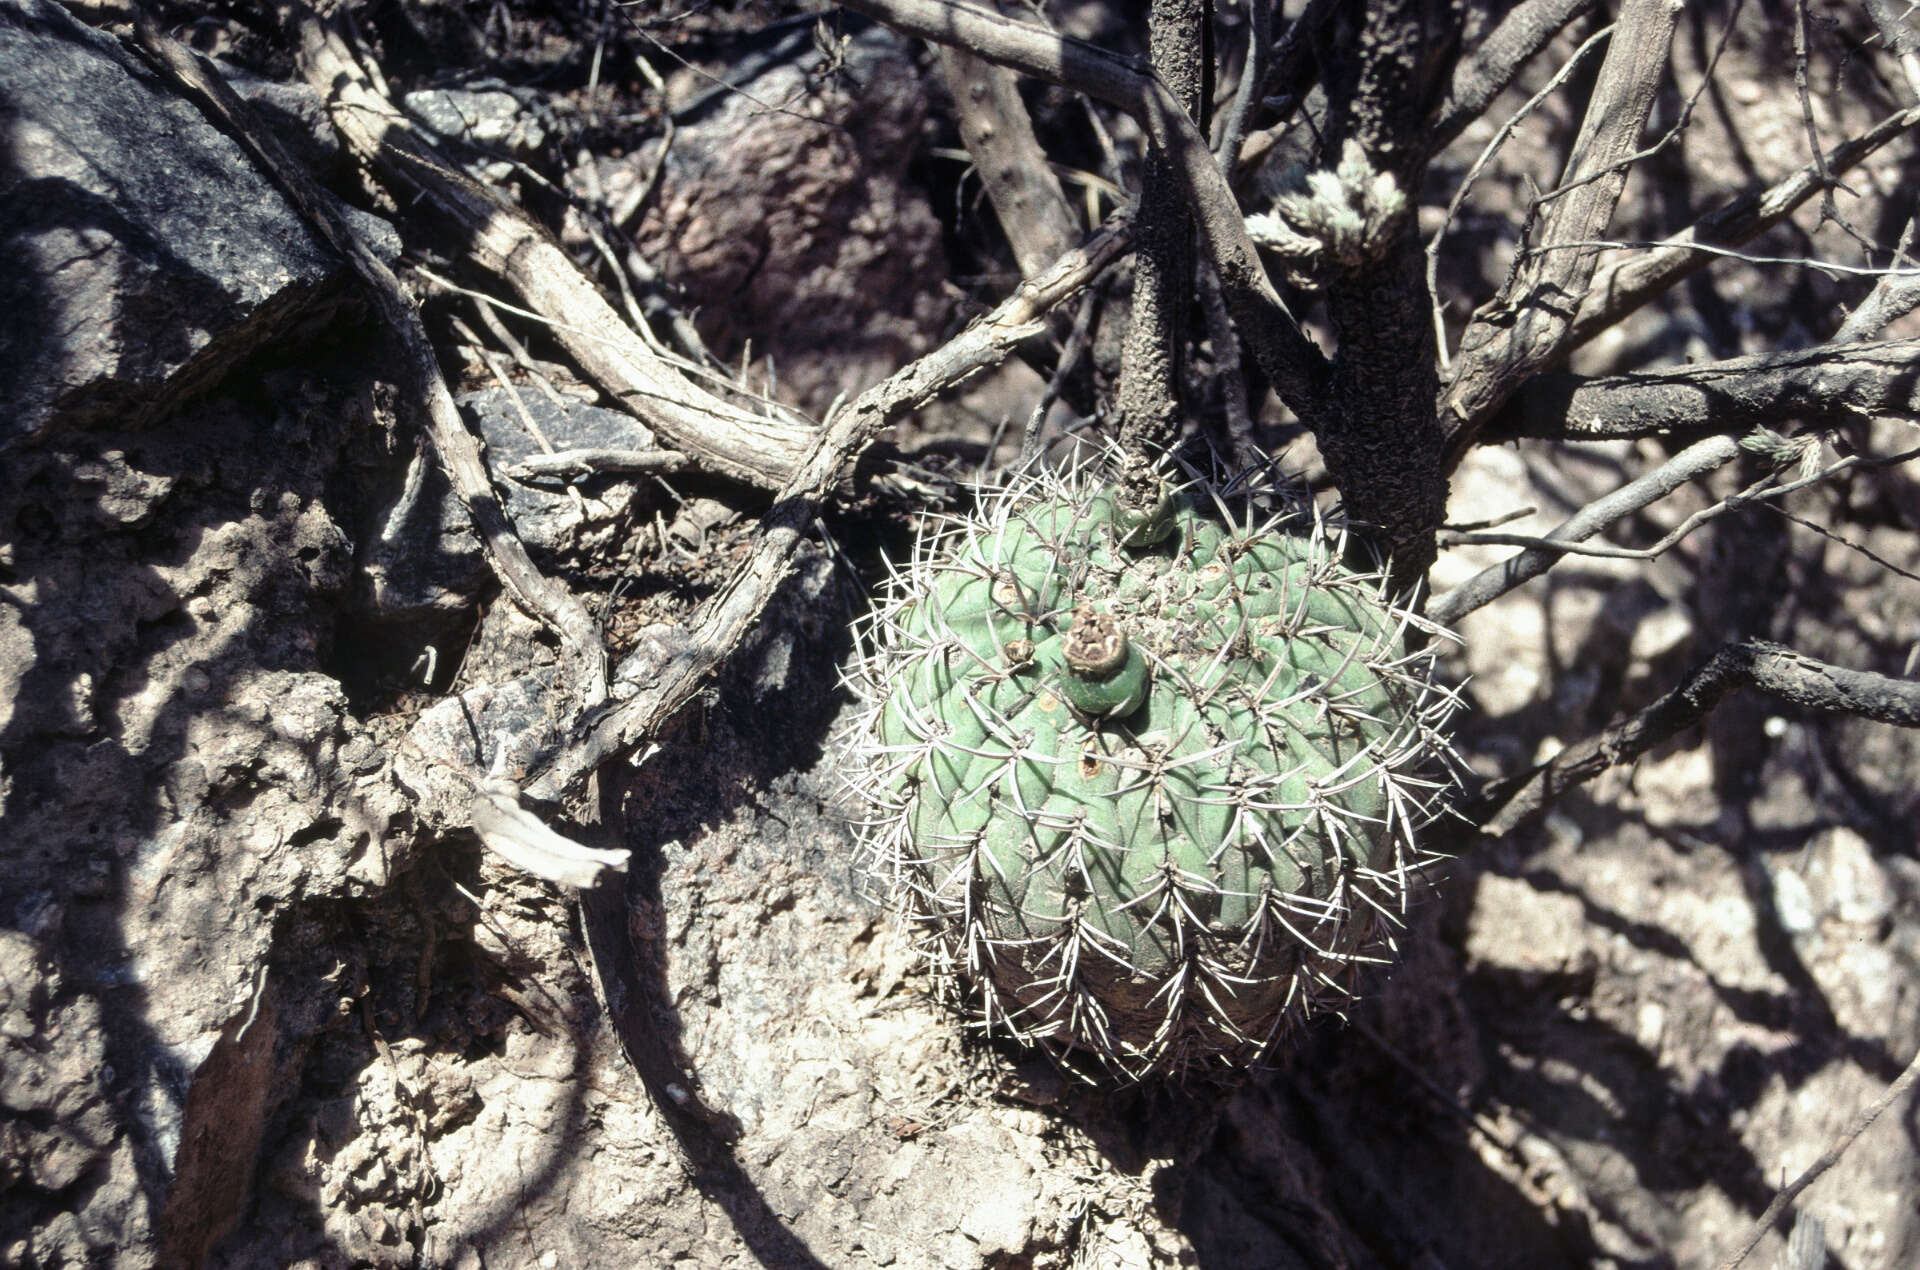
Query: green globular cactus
(1148,782)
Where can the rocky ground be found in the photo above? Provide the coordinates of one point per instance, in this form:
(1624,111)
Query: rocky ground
(260,1006)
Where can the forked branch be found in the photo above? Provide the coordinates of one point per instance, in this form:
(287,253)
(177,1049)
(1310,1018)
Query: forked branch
(1290,360)
(1527,327)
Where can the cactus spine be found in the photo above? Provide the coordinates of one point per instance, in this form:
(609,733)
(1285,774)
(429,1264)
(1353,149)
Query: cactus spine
(1150,789)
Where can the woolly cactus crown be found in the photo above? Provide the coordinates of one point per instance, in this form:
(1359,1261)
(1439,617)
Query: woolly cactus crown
(1148,780)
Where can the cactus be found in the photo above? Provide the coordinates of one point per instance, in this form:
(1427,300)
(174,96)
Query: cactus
(1148,781)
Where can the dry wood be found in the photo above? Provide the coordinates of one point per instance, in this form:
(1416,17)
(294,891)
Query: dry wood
(1526,328)
(724,620)
(1829,384)
(998,134)
(761,448)
(459,452)
(1756,663)
(1290,360)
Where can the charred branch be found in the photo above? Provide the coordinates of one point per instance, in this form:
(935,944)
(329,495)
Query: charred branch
(1831,384)
(1767,667)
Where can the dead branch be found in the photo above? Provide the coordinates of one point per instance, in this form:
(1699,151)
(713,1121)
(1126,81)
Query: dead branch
(1823,385)
(1290,360)
(1761,664)
(1526,328)
(1899,41)
(1619,289)
(724,620)
(1487,152)
(1247,93)
(998,134)
(1778,1206)
(459,453)
(1491,583)
(1894,296)
(591,462)
(1485,73)
(762,449)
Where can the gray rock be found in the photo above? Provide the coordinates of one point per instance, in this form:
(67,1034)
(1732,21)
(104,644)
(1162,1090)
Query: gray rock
(425,559)
(145,252)
(494,118)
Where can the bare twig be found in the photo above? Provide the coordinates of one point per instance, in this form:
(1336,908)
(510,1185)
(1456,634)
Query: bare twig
(622,214)
(724,620)
(459,453)
(1490,584)
(1659,482)
(1620,288)
(1527,328)
(1831,1156)
(1771,668)
(761,448)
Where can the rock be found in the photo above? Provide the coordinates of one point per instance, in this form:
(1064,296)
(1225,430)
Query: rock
(1845,880)
(1793,902)
(146,254)
(172,766)
(1517,927)
(492,120)
(797,229)
(424,560)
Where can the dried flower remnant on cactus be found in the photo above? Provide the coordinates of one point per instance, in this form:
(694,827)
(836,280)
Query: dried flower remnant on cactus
(1151,801)
(1330,220)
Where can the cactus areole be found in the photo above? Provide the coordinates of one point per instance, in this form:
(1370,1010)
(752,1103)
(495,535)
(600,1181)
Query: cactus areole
(1151,795)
